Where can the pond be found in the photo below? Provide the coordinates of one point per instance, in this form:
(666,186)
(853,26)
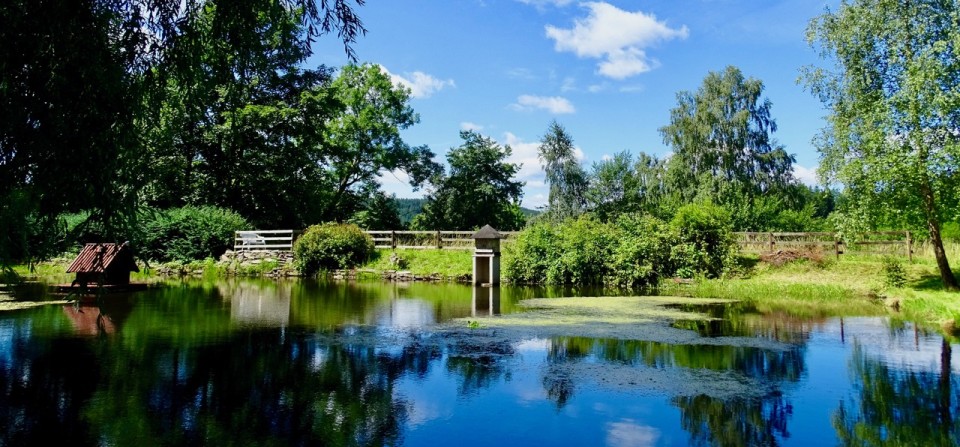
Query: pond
(250,362)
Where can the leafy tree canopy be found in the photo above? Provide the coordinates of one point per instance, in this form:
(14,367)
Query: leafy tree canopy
(892,135)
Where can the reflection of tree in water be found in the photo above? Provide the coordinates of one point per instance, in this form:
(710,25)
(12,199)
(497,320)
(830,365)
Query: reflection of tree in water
(766,364)
(261,388)
(900,406)
(734,422)
(709,420)
(478,366)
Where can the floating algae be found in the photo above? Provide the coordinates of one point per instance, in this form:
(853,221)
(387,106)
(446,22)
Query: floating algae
(665,359)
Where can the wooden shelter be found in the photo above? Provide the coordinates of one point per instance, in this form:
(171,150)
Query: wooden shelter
(486,256)
(109,263)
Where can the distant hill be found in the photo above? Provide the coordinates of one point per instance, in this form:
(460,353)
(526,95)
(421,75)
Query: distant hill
(412,207)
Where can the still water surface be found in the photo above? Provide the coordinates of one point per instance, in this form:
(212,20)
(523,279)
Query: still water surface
(309,363)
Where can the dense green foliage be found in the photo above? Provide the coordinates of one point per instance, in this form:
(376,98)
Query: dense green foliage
(632,251)
(723,152)
(891,138)
(479,190)
(92,89)
(189,233)
(331,246)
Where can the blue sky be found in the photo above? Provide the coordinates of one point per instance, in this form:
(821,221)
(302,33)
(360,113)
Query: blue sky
(607,71)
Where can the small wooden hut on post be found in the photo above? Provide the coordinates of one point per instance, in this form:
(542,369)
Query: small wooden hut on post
(111,263)
(486,256)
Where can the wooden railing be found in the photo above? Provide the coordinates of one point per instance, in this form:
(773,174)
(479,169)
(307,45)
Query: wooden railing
(873,242)
(444,240)
(259,240)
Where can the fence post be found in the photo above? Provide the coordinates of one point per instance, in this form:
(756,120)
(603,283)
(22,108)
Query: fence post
(393,239)
(909,247)
(836,245)
(770,239)
(439,241)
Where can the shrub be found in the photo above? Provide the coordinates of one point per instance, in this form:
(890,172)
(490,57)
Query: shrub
(584,245)
(894,274)
(189,233)
(528,257)
(642,255)
(705,244)
(331,246)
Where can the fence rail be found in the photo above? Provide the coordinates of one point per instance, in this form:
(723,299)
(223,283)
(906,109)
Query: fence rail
(261,240)
(442,240)
(873,242)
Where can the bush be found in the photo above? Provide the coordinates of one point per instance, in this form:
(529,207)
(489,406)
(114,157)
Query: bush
(529,256)
(642,255)
(894,274)
(189,233)
(331,246)
(705,244)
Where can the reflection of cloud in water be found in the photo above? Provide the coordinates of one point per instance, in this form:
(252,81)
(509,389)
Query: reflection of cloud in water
(629,433)
(534,344)
(406,313)
(421,411)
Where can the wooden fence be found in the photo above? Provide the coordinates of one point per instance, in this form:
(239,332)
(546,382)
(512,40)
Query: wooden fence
(444,240)
(261,240)
(874,242)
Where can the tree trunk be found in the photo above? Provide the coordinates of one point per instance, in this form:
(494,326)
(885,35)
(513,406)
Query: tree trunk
(933,224)
(943,404)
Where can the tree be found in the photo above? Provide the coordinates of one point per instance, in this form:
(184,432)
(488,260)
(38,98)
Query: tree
(567,180)
(892,136)
(80,81)
(363,138)
(722,141)
(479,190)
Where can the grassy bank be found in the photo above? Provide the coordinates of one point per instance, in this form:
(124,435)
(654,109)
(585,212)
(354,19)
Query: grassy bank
(853,285)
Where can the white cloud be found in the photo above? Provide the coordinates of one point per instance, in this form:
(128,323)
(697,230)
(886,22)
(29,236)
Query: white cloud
(553,104)
(467,125)
(806,175)
(521,73)
(597,88)
(421,85)
(632,88)
(542,3)
(606,157)
(617,37)
(569,84)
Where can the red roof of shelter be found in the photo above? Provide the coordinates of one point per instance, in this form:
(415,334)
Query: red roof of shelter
(95,258)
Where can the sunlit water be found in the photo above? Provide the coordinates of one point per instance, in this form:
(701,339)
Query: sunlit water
(308,363)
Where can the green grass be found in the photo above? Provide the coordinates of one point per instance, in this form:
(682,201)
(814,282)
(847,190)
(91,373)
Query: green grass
(449,263)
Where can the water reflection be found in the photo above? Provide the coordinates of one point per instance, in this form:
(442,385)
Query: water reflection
(900,406)
(258,303)
(486,301)
(315,363)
